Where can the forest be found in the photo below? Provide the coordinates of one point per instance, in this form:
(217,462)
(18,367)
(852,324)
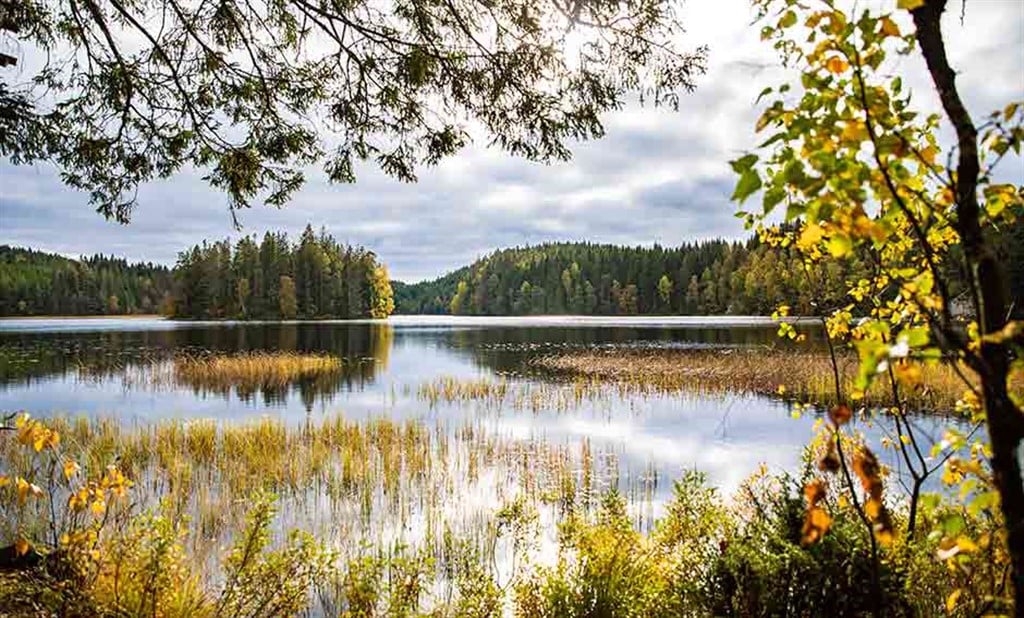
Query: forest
(712,277)
(318,278)
(39,283)
(277,279)
(271,278)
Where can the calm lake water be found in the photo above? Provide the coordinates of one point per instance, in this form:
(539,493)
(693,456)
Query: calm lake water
(105,367)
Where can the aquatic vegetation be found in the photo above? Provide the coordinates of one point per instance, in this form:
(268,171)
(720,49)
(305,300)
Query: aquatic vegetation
(500,394)
(254,369)
(801,376)
(125,539)
(271,375)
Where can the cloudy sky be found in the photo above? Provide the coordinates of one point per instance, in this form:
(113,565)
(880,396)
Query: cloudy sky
(658,176)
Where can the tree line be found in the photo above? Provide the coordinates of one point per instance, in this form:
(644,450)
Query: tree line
(700,278)
(273,278)
(277,279)
(38,283)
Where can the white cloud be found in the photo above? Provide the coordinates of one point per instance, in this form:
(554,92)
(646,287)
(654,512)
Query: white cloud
(658,176)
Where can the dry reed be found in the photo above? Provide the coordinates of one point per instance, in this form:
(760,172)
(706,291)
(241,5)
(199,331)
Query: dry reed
(801,376)
(254,369)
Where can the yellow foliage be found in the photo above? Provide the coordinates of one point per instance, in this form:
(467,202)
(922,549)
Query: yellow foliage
(70,468)
(889,27)
(836,65)
(35,434)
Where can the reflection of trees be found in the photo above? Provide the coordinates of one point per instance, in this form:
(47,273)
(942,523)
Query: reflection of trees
(363,347)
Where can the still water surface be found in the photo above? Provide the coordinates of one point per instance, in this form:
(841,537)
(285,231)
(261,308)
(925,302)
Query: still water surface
(102,367)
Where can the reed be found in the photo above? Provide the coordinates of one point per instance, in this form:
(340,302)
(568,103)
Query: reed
(802,376)
(363,481)
(253,370)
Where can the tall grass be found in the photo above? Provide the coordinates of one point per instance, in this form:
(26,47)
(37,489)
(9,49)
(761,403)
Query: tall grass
(373,480)
(802,376)
(254,369)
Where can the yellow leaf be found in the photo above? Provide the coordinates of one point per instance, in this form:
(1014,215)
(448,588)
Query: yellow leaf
(966,544)
(840,245)
(909,5)
(70,468)
(855,131)
(25,489)
(98,507)
(78,500)
(4,480)
(21,547)
(810,236)
(836,65)
(952,599)
(889,27)
(872,508)
(928,154)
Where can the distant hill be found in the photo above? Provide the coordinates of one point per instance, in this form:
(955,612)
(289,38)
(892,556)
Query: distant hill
(428,297)
(703,278)
(709,277)
(38,283)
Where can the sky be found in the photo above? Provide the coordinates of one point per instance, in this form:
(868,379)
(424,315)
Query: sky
(658,176)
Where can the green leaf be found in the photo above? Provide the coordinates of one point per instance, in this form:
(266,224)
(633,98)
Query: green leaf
(916,337)
(747,185)
(744,163)
(794,210)
(772,197)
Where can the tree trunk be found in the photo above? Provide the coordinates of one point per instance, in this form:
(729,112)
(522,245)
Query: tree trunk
(989,283)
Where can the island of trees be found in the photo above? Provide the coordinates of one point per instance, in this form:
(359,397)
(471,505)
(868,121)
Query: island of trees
(277,279)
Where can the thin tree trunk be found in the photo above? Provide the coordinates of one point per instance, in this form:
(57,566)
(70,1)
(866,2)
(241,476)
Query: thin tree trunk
(1005,421)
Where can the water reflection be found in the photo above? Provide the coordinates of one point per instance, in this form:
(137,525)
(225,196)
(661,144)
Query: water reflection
(141,359)
(101,369)
(92,351)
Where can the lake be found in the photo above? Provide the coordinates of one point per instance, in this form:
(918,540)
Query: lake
(105,367)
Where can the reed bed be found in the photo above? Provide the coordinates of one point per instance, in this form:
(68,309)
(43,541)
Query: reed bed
(373,482)
(802,376)
(254,369)
(501,395)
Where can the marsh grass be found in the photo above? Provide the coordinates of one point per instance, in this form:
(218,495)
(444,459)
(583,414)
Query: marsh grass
(372,482)
(500,395)
(254,370)
(800,376)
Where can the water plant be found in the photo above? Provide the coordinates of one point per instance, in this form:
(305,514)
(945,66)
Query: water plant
(253,370)
(803,376)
